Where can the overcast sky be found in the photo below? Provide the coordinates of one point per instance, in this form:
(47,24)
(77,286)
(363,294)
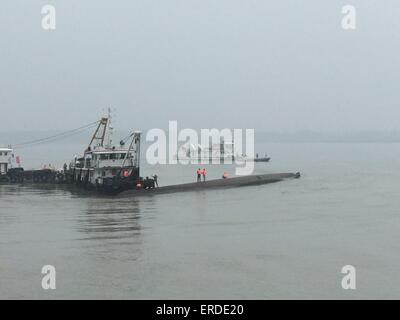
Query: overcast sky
(270,65)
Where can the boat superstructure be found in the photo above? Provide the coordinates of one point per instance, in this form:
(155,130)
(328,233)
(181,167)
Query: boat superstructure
(224,152)
(107,167)
(5,160)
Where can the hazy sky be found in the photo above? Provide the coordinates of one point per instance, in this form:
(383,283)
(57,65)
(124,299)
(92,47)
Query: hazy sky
(271,65)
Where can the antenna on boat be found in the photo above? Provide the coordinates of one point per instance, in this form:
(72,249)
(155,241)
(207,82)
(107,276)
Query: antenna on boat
(110,129)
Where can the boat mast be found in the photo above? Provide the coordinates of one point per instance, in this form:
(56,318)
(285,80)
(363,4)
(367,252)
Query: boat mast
(99,134)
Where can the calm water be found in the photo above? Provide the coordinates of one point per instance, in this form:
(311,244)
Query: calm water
(285,240)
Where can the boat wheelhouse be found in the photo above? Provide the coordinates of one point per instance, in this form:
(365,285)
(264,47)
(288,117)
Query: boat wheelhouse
(5,160)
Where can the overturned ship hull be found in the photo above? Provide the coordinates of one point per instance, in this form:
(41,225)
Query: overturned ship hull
(252,180)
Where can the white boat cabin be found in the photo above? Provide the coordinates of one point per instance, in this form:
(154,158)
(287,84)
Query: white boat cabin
(101,163)
(5,159)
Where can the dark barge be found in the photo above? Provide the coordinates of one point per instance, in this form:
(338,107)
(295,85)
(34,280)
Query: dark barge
(19,175)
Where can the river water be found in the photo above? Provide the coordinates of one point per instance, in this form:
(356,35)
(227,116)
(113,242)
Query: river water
(285,240)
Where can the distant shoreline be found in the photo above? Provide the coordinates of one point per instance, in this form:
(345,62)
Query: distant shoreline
(12,137)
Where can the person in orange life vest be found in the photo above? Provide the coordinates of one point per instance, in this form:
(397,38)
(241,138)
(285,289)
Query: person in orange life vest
(198,175)
(204,172)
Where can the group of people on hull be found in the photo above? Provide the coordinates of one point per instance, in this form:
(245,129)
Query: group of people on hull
(201,173)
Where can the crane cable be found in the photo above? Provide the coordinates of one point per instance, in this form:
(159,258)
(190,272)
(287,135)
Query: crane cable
(55,137)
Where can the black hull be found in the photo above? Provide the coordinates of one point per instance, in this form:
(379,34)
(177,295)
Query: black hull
(262,160)
(237,182)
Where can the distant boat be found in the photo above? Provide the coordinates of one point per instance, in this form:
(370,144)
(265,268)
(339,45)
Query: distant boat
(264,159)
(222,152)
(260,159)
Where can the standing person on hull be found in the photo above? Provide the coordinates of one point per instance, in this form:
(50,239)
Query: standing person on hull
(198,175)
(204,172)
(155,178)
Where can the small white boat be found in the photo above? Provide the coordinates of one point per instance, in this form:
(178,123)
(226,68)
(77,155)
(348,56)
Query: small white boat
(215,153)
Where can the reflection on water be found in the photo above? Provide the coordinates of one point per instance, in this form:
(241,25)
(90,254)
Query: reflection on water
(110,219)
(34,189)
(111,229)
